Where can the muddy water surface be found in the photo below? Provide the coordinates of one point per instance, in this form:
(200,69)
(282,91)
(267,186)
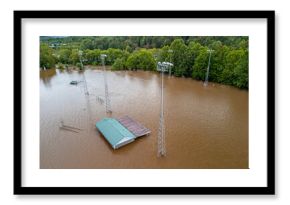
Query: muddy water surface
(206,127)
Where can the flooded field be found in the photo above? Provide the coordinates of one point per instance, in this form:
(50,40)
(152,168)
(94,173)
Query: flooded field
(206,127)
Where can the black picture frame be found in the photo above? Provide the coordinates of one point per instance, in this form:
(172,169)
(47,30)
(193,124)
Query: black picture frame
(268,190)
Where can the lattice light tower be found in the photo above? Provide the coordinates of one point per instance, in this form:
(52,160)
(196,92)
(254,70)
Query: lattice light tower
(107,97)
(207,71)
(161,152)
(170,51)
(84,77)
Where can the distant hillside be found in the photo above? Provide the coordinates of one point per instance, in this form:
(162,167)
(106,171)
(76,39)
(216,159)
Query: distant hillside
(46,38)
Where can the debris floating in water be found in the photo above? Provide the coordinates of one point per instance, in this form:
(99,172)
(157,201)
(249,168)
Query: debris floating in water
(74,82)
(69,128)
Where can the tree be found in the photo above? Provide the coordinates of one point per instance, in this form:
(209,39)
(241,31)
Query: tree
(47,58)
(119,64)
(87,43)
(74,57)
(193,52)
(236,68)
(163,54)
(200,64)
(217,60)
(113,54)
(141,59)
(229,61)
(92,56)
(179,57)
(64,55)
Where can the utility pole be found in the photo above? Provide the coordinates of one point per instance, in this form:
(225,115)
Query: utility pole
(107,97)
(207,71)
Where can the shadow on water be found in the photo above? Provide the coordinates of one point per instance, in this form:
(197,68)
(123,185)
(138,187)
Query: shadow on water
(47,75)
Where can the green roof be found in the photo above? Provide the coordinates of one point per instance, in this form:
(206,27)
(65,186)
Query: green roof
(114,132)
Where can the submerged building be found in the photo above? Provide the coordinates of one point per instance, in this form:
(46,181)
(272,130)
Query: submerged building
(121,131)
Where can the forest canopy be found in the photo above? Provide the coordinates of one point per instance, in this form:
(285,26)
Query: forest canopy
(189,54)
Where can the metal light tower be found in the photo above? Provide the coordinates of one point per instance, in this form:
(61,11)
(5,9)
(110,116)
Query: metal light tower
(85,88)
(84,77)
(107,97)
(170,51)
(162,67)
(80,57)
(207,71)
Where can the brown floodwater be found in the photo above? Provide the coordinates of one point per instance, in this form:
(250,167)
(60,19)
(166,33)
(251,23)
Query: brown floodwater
(205,127)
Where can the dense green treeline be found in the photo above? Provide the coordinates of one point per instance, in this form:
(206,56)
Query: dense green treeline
(130,43)
(190,56)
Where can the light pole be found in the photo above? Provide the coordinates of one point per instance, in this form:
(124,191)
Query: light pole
(170,51)
(107,97)
(84,77)
(207,71)
(162,67)
(80,56)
